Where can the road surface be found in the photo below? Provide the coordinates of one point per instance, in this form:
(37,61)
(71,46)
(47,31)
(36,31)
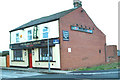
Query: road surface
(21,75)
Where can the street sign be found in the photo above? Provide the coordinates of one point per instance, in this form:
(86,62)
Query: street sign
(56,41)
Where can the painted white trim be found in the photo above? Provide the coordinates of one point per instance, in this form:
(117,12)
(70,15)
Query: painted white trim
(53,32)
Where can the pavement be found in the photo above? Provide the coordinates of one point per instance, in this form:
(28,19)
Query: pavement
(46,71)
(112,71)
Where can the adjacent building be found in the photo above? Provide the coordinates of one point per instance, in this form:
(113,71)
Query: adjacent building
(111,53)
(74,41)
(4,59)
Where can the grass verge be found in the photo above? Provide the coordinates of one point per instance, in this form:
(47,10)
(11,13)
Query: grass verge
(108,66)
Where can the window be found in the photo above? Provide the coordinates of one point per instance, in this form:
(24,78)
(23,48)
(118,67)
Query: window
(17,55)
(77,24)
(17,37)
(81,26)
(99,51)
(29,34)
(43,53)
(45,32)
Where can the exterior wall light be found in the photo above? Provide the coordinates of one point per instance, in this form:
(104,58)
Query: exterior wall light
(25,52)
(33,51)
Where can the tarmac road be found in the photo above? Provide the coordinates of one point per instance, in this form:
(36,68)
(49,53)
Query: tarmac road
(20,75)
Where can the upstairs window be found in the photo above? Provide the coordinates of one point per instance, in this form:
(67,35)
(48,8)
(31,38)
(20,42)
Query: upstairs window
(17,37)
(45,32)
(29,34)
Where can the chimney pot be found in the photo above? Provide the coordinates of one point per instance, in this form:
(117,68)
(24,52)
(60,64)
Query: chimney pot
(77,3)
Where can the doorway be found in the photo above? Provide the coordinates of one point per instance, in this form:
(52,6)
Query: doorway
(30,58)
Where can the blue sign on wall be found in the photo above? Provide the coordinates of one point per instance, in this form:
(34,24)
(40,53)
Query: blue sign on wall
(81,29)
(65,35)
(56,41)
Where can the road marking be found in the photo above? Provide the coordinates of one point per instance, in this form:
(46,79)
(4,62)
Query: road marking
(19,74)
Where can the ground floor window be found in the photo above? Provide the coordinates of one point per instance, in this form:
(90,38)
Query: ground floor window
(17,55)
(43,54)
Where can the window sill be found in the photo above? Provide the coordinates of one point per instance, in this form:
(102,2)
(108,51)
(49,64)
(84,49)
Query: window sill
(45,61)
(17,61)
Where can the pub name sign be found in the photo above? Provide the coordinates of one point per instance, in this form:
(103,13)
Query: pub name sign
(34,44)
(75,28)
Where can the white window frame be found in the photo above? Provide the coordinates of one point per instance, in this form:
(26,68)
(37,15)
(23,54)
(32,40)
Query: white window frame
(17,37)
(29,35)
(45,32)
(45,58)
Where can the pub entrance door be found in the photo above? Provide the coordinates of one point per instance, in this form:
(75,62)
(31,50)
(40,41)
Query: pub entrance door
(30,57)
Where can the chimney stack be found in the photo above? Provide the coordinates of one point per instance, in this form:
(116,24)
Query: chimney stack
(77,3)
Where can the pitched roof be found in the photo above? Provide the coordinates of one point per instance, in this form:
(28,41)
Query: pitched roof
(44,19)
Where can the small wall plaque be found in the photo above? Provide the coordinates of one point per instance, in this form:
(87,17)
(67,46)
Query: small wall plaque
(69,49)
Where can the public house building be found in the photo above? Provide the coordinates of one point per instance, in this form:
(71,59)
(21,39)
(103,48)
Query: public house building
(74,41)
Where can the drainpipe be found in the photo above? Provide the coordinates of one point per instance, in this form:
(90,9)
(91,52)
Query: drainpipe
(10,37)
(105,53)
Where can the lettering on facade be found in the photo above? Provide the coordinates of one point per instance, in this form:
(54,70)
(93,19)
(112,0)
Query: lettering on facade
(35,30)
(31,44)
(76,28)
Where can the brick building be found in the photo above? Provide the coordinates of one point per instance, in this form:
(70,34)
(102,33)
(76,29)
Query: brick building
(74,40)
(111,53)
